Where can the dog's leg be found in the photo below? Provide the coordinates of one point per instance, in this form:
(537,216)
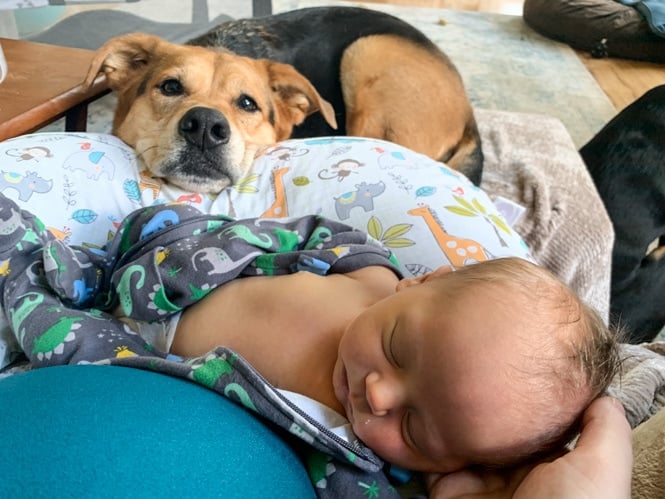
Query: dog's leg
(399,91)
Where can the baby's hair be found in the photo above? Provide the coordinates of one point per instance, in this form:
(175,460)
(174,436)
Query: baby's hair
(590,357)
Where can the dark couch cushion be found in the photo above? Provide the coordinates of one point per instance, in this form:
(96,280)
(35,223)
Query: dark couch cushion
(584,23)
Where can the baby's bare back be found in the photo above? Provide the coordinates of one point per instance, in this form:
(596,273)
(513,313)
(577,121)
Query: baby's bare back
(288,327)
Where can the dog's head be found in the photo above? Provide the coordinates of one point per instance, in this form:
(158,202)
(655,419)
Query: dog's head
(196,116)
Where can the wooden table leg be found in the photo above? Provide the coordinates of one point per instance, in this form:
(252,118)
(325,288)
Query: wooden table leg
(76,119)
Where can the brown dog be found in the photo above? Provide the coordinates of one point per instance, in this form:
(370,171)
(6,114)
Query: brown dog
(197,113)
(197,116)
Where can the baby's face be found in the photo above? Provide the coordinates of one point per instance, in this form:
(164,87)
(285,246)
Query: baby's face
(432,384)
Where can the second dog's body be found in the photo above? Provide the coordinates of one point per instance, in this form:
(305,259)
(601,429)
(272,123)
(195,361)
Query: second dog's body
(627,162)
(383,77)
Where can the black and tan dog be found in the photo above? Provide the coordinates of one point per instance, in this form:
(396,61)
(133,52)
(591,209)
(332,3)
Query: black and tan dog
(197,113)
(627,162)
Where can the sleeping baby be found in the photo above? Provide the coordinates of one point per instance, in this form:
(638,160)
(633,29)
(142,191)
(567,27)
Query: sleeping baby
(488,365)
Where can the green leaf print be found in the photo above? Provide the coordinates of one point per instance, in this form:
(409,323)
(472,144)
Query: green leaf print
(397,230)
(374,228)
(500,224)
(371,490)
(398,242)
(392,236)
(458,210)
(464,203)
(243,186)
(476,209)
(478,205)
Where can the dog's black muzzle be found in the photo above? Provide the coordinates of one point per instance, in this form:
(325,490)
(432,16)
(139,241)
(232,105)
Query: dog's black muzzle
(204,128)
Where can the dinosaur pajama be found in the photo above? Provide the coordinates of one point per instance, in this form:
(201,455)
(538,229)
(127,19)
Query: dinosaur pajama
(60,302)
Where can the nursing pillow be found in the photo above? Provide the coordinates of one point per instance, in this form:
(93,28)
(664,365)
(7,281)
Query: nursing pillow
(81,185)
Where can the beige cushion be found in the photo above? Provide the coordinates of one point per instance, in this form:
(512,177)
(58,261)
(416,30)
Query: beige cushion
(531,159)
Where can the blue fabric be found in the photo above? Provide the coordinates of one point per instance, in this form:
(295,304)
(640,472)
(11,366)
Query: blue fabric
(653,11)
(104,431)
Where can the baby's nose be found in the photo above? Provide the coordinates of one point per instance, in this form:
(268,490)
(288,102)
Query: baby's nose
(383,393)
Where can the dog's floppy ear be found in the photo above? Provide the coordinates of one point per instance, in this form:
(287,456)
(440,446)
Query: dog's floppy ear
(298,95)
(123,58)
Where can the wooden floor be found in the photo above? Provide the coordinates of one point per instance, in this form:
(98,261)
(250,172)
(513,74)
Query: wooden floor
(622,80)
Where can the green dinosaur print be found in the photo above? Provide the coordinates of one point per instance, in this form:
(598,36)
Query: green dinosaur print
(233,390)
(319,467)
(288,240)
(95,313)
(319,236)
(209,372)
(260,241)
(124,287)
(198,293)
(53,339)
(161,302)
(125,237)
(30,236)
(29,302)
(266,263)
(41,226)
(213,225)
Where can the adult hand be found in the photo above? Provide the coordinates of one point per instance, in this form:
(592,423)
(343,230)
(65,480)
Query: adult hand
(599,467)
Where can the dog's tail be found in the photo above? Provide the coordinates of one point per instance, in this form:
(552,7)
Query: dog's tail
(467,157)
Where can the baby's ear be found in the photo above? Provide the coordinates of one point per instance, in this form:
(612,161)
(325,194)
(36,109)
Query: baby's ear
(413,281)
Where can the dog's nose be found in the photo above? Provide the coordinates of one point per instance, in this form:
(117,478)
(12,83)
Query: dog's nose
(204,128)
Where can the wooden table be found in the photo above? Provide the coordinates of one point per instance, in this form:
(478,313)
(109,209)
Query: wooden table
(45,83)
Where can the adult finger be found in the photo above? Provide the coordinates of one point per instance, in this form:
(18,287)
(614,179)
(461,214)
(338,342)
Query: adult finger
(604,426)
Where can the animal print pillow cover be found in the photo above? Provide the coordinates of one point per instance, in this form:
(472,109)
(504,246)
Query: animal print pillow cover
(82,184)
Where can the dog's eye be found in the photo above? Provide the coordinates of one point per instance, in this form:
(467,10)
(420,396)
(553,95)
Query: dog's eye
(171,87)
(246,103)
